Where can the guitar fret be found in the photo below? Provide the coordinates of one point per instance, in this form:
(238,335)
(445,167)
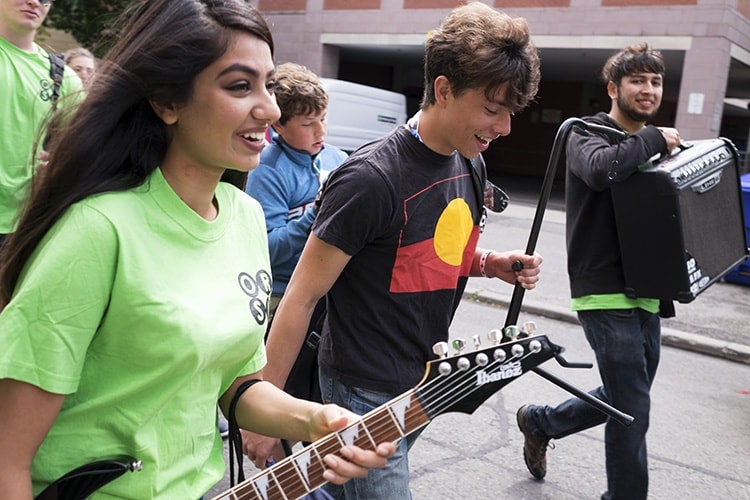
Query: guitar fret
(301,463)
(361,437)
(398,409)
(365,425)
(245,488)
(349,435)
(416,416)
(233,495)
(315,449)
(327,446)
(289,480)
(255,490)
(383,427)
(276,482)
(260,484)
(356,434)
(396,424)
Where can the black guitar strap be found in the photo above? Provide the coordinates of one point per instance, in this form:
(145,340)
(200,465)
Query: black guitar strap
(235,438)
(489,196)
(86,479)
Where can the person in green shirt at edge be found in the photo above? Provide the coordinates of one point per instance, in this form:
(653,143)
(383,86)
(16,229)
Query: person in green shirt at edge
(134,293)
(26,100)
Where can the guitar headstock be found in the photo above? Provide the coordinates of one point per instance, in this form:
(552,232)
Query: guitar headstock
(465,380)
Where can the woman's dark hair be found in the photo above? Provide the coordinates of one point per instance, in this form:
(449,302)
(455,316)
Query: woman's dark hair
(114,140)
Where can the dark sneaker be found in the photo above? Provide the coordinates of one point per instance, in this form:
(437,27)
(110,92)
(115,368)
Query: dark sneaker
(534,447)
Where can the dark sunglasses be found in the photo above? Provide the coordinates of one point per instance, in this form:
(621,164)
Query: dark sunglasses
(46,2)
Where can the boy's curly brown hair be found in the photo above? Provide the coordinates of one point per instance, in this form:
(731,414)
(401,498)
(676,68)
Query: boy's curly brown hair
(298,92)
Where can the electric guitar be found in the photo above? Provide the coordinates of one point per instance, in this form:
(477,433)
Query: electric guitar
(458,383)
(451,384)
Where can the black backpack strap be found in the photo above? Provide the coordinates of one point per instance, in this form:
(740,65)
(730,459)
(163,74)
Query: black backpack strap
(56,70)
(492,197)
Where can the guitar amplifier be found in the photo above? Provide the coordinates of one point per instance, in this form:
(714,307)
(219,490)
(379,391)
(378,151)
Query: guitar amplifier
(680,221)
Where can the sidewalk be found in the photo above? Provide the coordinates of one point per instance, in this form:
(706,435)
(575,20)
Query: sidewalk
(716,322)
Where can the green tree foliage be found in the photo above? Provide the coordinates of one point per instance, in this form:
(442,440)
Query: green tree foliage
(91,22)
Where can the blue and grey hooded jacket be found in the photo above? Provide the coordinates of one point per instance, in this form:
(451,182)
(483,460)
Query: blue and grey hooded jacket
(285,184)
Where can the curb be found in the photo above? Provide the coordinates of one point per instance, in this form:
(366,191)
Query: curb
(674,338)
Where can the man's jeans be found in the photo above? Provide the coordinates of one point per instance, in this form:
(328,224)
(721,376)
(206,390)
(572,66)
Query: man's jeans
(626,343)
(389,483)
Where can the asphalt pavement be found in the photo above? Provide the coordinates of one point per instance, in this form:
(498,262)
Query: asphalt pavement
(716,322)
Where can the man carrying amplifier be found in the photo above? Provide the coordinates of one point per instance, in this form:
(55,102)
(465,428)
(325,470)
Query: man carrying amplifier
(624,332)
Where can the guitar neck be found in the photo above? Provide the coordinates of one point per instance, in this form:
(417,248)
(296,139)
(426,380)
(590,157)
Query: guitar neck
(302,472)
(458,383)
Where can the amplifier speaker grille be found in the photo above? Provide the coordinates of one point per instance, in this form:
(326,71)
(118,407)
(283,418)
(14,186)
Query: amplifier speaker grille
(680,222)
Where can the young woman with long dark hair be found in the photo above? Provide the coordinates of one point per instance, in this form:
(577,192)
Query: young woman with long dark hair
(134,292)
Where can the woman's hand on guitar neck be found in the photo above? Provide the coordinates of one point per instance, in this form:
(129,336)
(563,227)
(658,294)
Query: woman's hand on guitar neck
(352,461)
(323,420)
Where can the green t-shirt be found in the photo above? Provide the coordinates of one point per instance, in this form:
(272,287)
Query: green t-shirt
(610,301)
(25,103)
(143,313)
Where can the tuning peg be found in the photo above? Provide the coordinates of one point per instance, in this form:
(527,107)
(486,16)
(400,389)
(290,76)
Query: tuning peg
(445,368)
(535,346)
(481,359)
(440,349)
(511,332)
(459,345)
(517,350)
(477,340)
(529,327)
(463,364)
(495,336)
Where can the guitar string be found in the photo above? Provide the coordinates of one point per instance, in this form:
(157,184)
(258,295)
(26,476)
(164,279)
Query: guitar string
(289,475)
(425,392)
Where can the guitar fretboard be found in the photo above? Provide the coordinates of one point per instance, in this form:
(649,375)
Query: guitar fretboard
(302,472)
(459,383)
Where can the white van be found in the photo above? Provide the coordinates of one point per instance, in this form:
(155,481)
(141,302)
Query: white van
(358,113)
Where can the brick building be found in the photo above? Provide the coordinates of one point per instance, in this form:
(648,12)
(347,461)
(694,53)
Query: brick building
(706,44)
